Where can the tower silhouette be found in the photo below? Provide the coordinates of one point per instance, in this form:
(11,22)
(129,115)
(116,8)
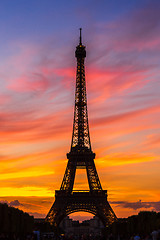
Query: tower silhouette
(68,201)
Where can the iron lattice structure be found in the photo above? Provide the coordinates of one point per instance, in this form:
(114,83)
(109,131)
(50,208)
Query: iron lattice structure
(68,201)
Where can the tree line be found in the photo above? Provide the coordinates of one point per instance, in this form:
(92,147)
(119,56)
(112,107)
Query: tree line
(15,221)
(143,224)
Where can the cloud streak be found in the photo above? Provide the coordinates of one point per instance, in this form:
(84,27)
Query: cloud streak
(154,206)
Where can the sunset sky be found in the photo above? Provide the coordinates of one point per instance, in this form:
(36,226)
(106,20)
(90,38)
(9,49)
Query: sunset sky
(37,84)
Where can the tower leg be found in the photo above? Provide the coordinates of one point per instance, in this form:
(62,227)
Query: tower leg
(69,176)
(93,179)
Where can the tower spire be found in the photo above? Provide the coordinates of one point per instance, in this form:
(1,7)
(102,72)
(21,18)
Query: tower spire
(80,136)
(80,38)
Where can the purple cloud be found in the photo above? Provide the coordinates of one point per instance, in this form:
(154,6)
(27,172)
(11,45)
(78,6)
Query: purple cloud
(37,215)
(14,203)
(138,205)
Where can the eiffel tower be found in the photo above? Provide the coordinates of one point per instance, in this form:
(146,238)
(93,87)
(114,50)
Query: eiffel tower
(68,201)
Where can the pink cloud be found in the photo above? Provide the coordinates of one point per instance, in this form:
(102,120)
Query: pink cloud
(152,141)
(27,125)
(4,99)
(35,82)
(126,115)
(112,83)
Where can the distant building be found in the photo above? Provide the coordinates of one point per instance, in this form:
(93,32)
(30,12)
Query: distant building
(87,227)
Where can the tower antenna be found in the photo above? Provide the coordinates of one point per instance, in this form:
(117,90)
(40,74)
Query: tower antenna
(80,39)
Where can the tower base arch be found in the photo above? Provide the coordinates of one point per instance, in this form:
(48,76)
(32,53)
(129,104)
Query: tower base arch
(93,202)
